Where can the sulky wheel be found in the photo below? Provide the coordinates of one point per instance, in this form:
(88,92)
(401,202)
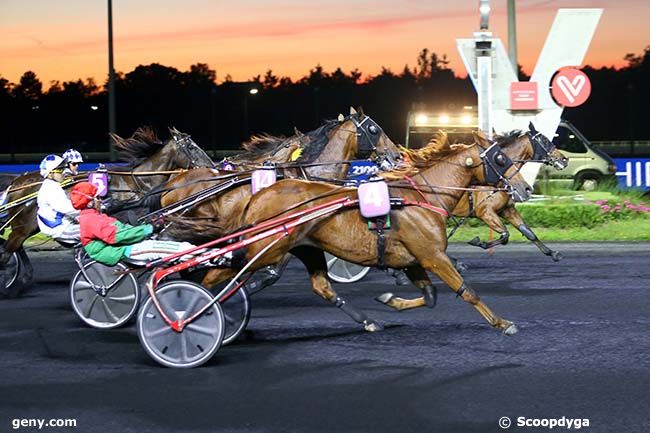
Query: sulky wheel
(344,272)
(197,342)
(119,303)
(236,314)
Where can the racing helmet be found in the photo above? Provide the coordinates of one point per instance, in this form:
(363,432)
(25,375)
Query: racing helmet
(49,163)
(72,155)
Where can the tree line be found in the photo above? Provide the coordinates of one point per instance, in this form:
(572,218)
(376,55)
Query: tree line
(221,116)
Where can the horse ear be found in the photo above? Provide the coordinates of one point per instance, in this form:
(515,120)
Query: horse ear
(341,118)
(174,132)
(360,111)
(531,127)
(297,132)
(481,138)
(352,110)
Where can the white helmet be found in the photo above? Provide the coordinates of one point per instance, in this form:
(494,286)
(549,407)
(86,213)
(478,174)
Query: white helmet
(72,155)
(49,163)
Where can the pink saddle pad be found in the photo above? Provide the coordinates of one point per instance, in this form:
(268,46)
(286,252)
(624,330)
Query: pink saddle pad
(374,200)
(262,178)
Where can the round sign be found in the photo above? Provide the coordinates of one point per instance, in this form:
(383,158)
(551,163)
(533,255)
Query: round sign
(570,87)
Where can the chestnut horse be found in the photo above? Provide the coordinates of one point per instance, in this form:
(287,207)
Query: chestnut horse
(151,162)
(417,241)
(326,155)
(490,206)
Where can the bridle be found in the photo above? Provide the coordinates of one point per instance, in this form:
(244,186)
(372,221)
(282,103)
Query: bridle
(196,156)
(495,165)
(368,134)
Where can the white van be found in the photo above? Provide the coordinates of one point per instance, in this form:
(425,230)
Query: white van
(587,168)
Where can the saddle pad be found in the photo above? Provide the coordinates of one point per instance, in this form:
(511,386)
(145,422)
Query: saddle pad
(262,178)
(100,180)
(374,200)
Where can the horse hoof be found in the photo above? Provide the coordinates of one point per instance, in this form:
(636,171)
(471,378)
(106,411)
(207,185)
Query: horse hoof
(385,298)
(475,242)
(556,256)
(510,330)
(372,326)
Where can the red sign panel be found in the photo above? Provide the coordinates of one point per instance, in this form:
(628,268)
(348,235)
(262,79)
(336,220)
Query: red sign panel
(523,95)
(570,87)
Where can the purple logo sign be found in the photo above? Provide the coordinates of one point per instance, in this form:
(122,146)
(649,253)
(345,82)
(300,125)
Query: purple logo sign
(374,200)
(262,179)
(100,180)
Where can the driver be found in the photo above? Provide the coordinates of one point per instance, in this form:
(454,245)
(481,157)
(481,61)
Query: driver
(55,216)
(72,160)
(108,240)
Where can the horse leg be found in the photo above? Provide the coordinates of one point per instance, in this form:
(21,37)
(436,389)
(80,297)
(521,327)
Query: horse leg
(440,264)
(420,279)
(494,222)
(314,261)
(13,244)
(217,275)
(514,217)
(267,276)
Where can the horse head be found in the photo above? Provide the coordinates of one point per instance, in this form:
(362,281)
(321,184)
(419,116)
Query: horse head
(544,150)
(188,154)
(497,169)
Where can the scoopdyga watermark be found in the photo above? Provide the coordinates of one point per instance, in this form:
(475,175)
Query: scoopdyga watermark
(549,423)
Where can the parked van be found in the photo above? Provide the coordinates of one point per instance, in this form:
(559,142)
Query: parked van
(587,168)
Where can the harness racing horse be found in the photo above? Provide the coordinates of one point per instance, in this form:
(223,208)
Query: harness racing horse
(490,206)
(326,155)
(417,240)
(152,162)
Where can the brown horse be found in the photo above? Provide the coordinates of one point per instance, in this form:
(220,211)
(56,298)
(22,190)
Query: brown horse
(417,241)
(326,154)
(152,162)
(487,204)
(490,206)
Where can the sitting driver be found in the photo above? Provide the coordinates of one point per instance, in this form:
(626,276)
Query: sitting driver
(55,215)
(72,160)
(108,240)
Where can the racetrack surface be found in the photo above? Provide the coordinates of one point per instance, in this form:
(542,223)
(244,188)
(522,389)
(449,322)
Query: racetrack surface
(303,366)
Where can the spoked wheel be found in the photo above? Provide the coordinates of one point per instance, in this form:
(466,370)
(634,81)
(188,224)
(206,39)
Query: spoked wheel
(116,308)
(197,342)
(236,314)
(344,272)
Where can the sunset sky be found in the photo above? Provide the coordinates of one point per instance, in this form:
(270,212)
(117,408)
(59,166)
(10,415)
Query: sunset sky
(67,39)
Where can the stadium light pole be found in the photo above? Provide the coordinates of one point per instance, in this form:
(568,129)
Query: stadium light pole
(111,81)
(512,35)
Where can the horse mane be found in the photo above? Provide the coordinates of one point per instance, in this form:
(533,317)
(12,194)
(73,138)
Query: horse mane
(316,141)
(141,145)
(260,144)
(508,138)
(416,159)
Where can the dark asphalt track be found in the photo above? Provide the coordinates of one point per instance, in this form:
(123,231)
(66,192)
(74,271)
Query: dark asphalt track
(582,352)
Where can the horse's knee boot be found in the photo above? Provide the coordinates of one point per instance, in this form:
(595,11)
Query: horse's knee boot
(526,231)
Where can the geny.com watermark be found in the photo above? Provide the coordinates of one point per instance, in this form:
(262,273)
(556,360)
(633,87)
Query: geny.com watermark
(550,423)
(40,423)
